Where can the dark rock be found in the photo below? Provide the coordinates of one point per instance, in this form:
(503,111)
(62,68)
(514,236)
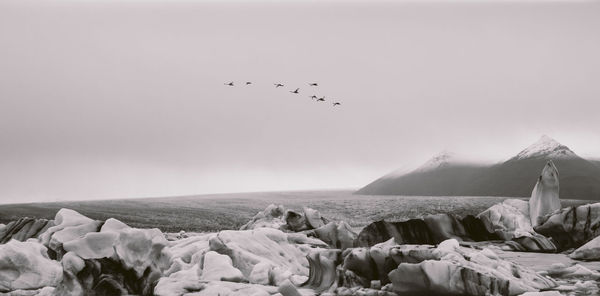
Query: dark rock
(384,262)
(360,262)
(572,227)
(371,264)
(295,221)
(412,254)
(535,243)
(412,278)
(322,270)
(70,286)
(476,229)
(107,277)
(412,231)
(24,229)
(432,229)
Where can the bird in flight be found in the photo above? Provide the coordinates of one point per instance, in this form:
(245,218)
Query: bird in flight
(295,91)
(230,83)
(313,84)
(321,99)
(277,85)
(248,82)
(336,104)
(313,97)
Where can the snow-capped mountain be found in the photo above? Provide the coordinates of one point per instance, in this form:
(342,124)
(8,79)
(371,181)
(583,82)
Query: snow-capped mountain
(445,175)
(441,160)
(438,161)
(546,147)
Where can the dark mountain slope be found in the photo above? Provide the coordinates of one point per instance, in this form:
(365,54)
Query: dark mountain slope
(579,178)
(447,180)
(516,177)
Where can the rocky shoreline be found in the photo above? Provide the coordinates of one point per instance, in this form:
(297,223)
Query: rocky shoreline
(284,252)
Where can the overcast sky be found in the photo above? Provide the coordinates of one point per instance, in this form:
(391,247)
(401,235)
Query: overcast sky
(114,99)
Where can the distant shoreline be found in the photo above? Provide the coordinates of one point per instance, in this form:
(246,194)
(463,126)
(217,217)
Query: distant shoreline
(213,212)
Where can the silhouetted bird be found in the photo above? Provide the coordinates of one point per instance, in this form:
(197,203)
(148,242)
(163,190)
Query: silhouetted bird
(230,83)
(321,99)
(337,104)
(248,82)
(277,85)
(296,91)
(313,84)
(313,97)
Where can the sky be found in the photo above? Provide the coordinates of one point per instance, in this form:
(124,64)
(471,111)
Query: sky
(119,99)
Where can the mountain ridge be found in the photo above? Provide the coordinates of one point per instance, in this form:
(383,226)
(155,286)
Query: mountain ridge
(545,147)
(515,177)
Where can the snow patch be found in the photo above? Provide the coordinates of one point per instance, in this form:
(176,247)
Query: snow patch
(546,147)
(441,160)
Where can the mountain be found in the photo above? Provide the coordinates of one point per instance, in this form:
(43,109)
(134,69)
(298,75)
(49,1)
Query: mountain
(445,175)
(439,161)
(546,148)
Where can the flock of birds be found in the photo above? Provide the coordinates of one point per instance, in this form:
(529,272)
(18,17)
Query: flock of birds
(296,91)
